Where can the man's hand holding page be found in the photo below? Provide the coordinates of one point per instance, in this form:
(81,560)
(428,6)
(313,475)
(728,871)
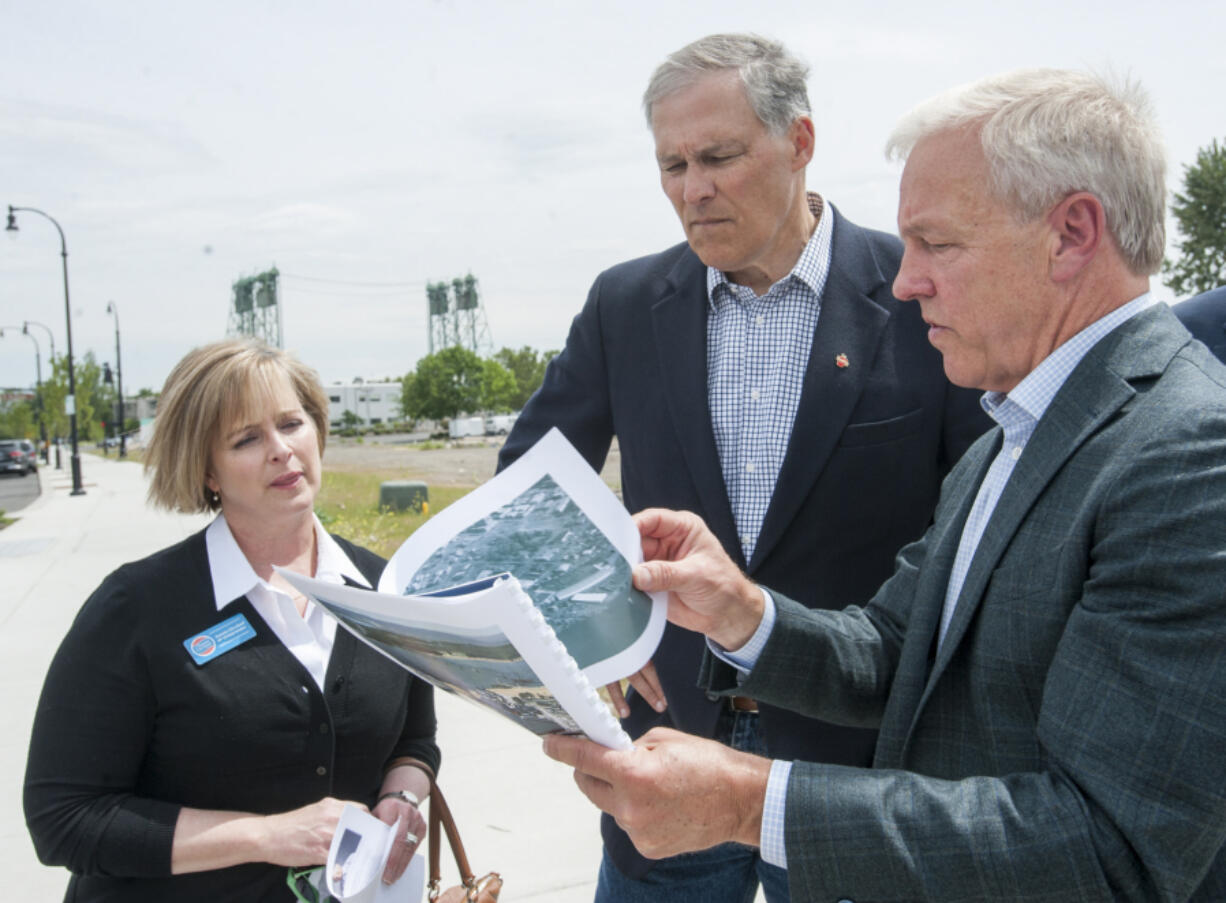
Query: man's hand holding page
(707,593)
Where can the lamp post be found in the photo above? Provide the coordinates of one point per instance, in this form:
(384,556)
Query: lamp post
(42,414)
(71,400)
(38,381)
(113,309)
(25,327)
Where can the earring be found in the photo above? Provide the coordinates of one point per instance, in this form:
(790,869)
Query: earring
(214,499)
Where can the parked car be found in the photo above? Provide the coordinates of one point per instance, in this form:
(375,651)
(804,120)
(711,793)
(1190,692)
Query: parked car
(18,456)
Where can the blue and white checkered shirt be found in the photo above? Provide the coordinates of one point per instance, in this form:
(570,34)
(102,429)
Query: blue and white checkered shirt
(757,353)
(1018,413)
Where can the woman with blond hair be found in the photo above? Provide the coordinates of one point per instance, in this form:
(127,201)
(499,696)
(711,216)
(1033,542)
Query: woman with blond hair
(203,724)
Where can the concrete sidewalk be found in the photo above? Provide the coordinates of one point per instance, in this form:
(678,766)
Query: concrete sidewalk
(518,812)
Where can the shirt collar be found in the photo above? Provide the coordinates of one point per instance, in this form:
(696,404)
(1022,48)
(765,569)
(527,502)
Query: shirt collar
(234,577)
(1035,393)
(811,267)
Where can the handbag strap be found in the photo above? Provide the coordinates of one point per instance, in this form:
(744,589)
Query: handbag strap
(440,814)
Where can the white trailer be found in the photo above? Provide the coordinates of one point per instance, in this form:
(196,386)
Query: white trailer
(466,426)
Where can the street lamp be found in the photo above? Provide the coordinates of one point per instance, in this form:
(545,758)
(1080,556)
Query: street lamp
(38,385)
(25,327)
(113,309)
(71,401)
(42,411)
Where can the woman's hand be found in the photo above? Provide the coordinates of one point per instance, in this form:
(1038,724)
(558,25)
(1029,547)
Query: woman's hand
(411,779)
(212,839)
(412,832)
(302,837)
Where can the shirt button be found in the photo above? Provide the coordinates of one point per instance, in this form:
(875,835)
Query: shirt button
(746,540)
(759,320)
(755,394)
(321,771)
(323,728)
(1016,452)
(749,468)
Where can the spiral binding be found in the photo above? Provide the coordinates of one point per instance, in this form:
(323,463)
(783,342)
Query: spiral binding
(596,705)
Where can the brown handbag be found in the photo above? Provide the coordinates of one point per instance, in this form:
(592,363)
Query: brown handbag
(471,890)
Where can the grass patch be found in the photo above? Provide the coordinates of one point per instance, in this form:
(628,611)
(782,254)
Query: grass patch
(348,505)
(130,453)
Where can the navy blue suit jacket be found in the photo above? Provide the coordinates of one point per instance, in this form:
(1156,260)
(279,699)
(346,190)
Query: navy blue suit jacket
(860,479)
(1205,317)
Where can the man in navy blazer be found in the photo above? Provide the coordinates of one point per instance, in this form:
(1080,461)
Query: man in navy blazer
(763,376)
(1205,317)
(1046,666)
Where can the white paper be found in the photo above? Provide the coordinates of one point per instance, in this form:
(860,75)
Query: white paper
(359,853)
(554,457)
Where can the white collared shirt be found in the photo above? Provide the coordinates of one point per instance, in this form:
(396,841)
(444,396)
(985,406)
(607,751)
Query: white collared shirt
(309,636)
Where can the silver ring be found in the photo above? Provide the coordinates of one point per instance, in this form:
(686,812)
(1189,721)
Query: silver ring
(410,838)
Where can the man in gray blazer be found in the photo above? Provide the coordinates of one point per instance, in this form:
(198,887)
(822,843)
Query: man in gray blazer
(1047,665)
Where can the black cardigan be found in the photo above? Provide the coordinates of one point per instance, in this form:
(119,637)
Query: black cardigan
(129,730)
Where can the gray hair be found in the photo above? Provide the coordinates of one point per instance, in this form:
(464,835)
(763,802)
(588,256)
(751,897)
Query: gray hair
(1047,133)
(774,80)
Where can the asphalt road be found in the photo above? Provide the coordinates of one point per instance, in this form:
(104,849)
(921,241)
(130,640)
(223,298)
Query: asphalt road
(17,490)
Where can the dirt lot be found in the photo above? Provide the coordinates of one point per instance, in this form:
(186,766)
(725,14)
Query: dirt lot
(466,462)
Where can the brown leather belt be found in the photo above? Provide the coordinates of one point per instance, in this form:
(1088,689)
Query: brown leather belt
(742,704)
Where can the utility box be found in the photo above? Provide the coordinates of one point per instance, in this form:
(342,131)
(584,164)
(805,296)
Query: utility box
(400,495)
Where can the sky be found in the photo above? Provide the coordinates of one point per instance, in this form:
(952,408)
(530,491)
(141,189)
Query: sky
(367,148)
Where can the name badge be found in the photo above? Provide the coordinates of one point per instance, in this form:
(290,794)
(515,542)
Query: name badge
(219,639)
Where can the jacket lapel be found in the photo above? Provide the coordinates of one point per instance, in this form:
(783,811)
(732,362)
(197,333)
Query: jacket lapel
(679,325)
(850,323)
(915,662)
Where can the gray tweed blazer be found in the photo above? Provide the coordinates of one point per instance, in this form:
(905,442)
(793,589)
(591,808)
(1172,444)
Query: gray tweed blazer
(1068,740)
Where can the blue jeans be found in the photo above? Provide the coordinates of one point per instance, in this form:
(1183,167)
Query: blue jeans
(728,873)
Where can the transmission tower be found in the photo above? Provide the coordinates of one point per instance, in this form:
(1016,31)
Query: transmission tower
(255,308)
(457,316)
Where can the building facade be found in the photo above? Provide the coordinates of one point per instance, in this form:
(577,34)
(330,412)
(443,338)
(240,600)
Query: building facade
(371,403)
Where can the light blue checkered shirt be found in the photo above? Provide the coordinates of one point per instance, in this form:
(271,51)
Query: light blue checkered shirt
(757,353)
(1018,413)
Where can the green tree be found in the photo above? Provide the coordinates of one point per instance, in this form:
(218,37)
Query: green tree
(527,365)
(1200,212)
(453,381)
(17,421)
(95,399)
(444,384)
(498,388)
(55,391)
